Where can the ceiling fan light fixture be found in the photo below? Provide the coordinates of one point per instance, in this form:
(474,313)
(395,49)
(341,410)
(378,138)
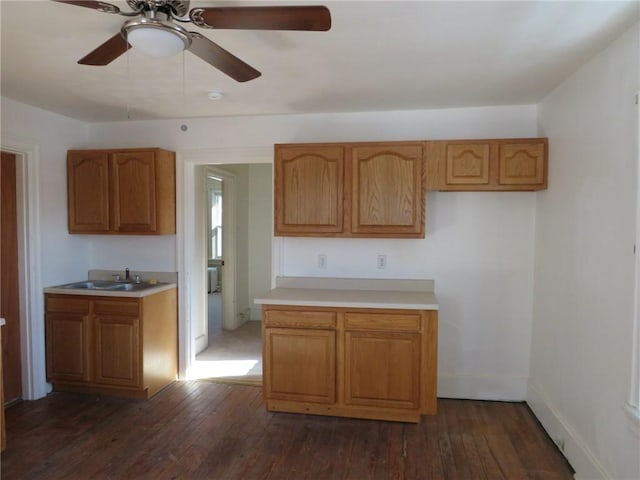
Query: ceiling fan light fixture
(156,38)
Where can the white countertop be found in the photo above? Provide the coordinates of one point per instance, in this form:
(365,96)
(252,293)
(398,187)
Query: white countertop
(165,281)
(351,293)
(112,293)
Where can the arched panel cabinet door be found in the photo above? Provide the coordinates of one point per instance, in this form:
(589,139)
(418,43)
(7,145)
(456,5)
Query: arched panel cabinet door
(122,191)
(88,191)
(512,164)
(349,190)
(309,183)
(387,197)
(133,182)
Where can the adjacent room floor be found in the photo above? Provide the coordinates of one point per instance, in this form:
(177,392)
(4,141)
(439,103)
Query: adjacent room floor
(234,356)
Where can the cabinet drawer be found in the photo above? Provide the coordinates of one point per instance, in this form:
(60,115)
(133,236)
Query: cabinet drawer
(117,307)
(299,319)
(398,322)
(65,303)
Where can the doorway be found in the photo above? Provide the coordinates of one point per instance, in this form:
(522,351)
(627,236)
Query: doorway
(237,216)
(10,279)
(32,334)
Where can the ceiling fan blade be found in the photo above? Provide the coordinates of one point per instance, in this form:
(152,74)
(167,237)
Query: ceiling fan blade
(101,6)
(316,18)
(107,52)
(224,61)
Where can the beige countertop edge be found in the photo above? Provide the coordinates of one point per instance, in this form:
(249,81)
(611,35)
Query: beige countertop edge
(349,299)
(107,293)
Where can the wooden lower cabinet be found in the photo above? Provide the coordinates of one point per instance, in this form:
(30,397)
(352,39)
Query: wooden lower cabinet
(382,369)
(68,347)
(363,363)
(290,351)
(117,345)
(120,346)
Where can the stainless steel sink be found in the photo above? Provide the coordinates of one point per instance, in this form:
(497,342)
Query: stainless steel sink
(88,285)
(106,285)
(128,287)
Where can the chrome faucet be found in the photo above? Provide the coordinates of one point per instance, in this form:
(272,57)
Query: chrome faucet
(127,276)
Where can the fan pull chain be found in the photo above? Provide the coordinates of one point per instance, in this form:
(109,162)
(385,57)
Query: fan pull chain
(184,88)
(129,86)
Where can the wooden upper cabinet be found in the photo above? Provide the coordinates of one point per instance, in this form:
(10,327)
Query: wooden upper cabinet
(121,191)
(387,194)
(486,165)
(133,180)
(88,191)
(349,190)
(309,189)
(467,164)
(523,163)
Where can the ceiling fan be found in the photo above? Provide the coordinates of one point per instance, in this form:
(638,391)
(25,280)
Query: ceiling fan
(155,31)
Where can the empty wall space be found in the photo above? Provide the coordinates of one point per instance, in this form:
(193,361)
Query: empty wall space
(581,353)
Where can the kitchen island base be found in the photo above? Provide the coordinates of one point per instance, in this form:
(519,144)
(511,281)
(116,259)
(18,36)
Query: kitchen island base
(371,363)
(343,411)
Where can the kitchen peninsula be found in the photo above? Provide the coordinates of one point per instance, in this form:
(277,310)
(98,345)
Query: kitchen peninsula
(363,348)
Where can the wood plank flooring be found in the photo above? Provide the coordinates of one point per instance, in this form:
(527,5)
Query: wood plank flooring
(206,430)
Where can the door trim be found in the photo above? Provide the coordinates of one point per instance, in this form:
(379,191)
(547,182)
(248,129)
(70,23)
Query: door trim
(34,384)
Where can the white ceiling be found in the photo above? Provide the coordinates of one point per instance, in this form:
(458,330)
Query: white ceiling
(378,55)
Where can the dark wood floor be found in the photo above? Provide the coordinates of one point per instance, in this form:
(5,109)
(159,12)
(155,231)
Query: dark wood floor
(205,430)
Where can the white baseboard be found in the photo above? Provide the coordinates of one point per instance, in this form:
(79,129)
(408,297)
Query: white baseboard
(483,387)
(576,451)
(201,342)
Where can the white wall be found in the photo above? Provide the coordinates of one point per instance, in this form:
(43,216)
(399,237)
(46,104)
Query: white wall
(260,233)
(64,257)
(479,246)
(48,254)
(584,272)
